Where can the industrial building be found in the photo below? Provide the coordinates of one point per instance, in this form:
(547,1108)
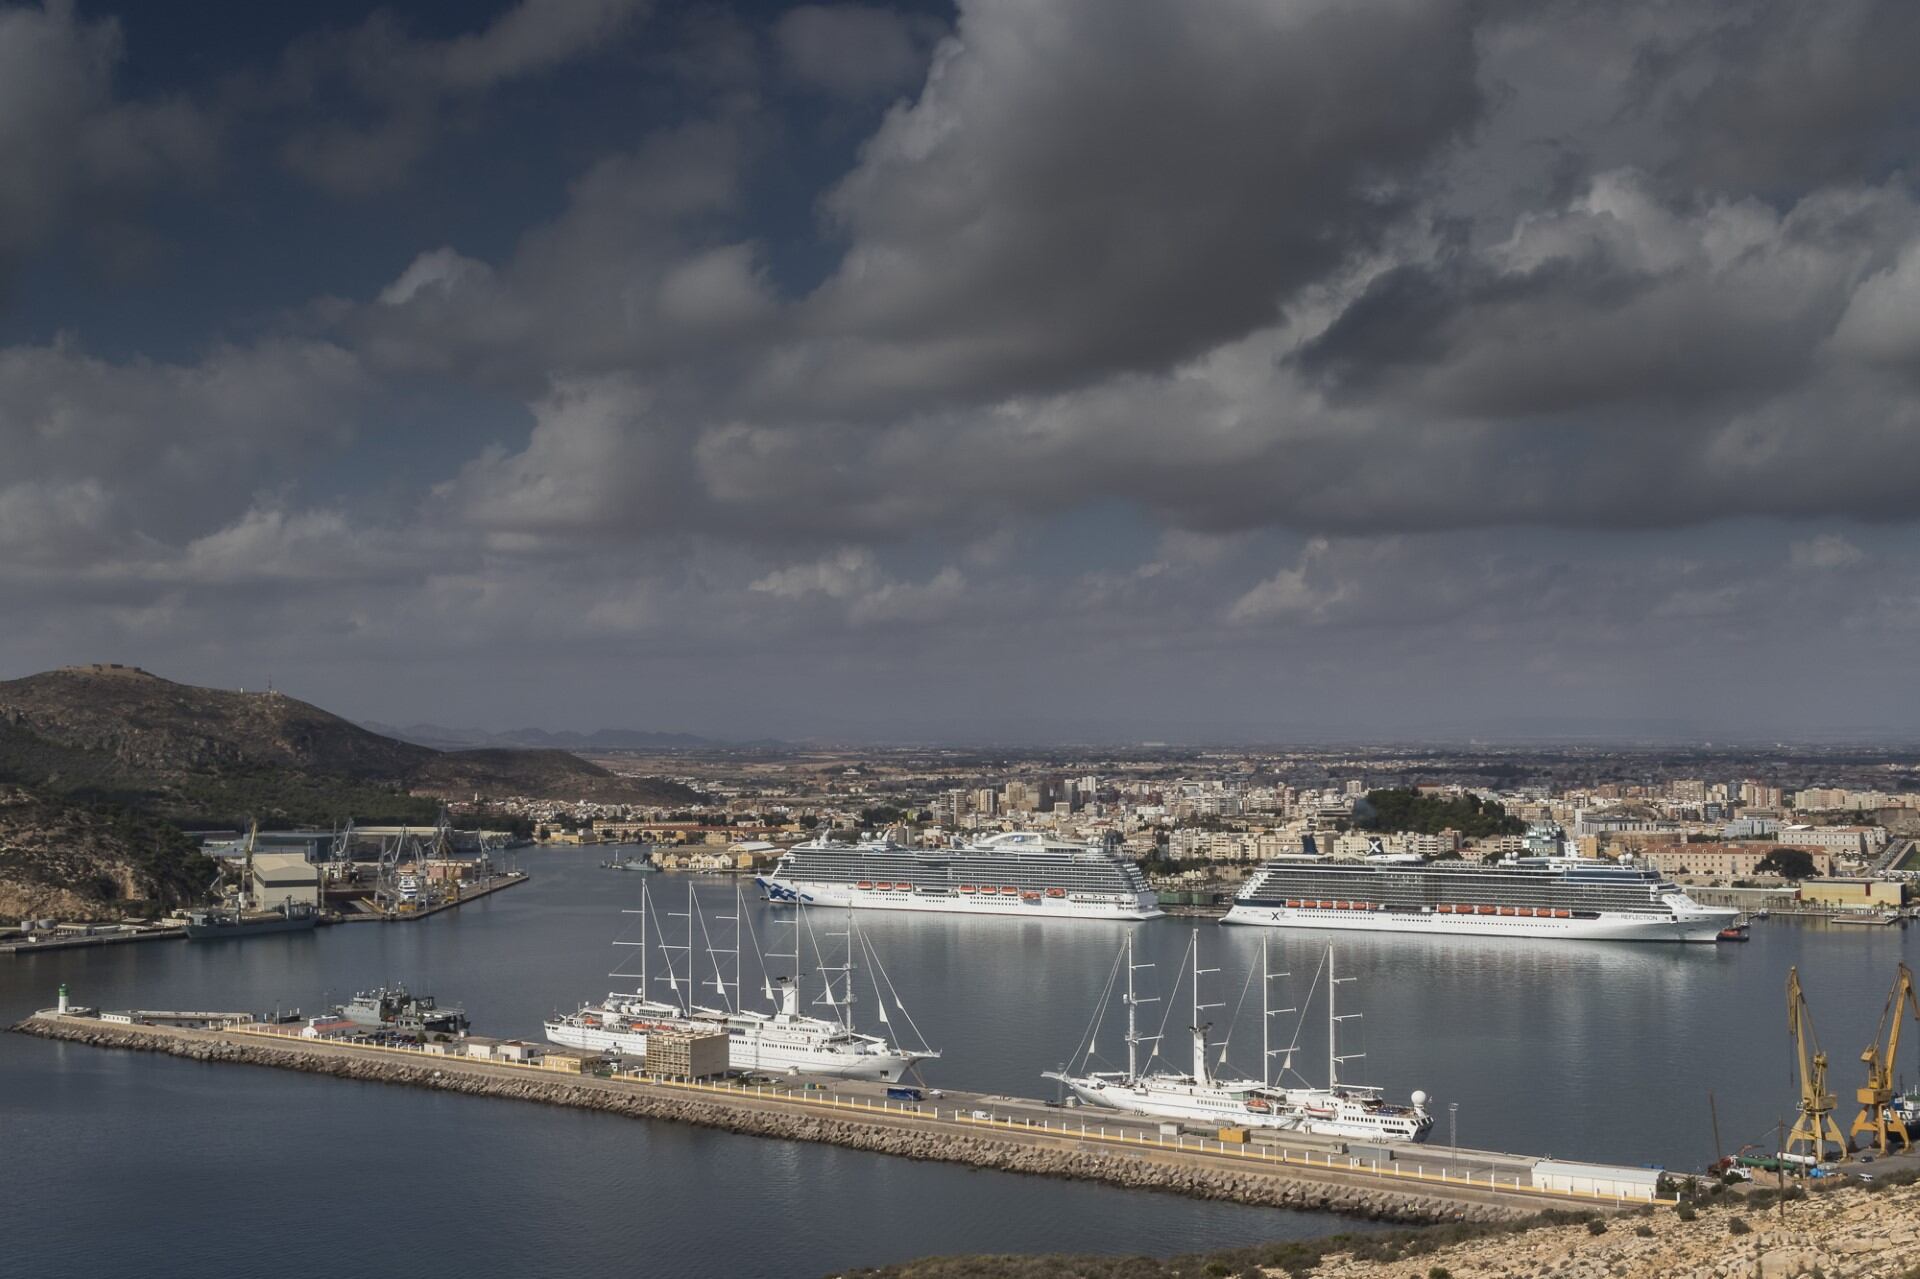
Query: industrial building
(284,879)
(1640,1184)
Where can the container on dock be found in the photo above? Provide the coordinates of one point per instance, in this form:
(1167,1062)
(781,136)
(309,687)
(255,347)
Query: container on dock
(1234,1136)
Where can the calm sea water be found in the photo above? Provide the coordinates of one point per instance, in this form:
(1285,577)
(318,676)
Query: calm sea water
(112,1161)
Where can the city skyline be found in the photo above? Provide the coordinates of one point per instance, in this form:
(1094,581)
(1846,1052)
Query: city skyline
(974,373)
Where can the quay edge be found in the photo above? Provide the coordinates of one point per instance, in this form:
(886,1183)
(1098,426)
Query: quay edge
(1294,1187)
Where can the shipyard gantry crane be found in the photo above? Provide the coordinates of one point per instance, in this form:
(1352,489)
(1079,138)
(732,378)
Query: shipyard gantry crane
(1815,1125)
(1877,1115)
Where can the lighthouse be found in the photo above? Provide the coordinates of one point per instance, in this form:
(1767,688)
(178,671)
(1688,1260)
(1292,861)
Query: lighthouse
(62,1008)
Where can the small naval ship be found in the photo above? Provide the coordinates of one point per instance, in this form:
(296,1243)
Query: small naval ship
(217,923)
(392,1008)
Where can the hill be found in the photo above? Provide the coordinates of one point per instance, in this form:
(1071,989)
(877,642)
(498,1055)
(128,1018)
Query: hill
(119,734)
(60,860)
(552,773)
(441,737)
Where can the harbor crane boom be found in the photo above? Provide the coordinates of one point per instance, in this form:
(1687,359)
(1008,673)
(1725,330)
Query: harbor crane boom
(1877,1115)
(1814,1126)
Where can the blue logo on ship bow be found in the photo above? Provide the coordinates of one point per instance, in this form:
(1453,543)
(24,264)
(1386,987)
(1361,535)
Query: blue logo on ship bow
(777,892)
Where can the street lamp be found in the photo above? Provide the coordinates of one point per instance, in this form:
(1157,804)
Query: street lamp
(1453,1128)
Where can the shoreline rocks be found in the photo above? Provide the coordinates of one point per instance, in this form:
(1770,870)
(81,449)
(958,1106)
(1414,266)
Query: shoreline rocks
(1289,1190)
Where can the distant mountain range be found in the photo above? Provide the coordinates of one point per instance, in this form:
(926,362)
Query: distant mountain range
(440,737)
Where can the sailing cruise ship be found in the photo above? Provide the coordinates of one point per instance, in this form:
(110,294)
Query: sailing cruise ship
(783,1040)
(1025,874)
(1205,1094)
(1542,897)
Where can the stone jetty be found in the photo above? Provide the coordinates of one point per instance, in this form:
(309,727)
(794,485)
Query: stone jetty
(788,1118)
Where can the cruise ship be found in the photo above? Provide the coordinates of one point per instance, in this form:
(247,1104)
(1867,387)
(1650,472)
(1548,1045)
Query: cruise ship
(1540,897)
(1025,874)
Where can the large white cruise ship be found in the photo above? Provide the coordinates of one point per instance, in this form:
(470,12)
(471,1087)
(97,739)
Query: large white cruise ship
(1539,897)
(1023,874)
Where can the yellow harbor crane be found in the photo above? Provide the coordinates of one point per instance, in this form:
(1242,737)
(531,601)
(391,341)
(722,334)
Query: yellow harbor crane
(1814,1127)
(1877,1115)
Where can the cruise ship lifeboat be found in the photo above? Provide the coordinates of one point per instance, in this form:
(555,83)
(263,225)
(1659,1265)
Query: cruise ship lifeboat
(885,888)
(1443,910)
(865,885)
(1056,892)
(905,888)
(1508,910)
(1485,910)
(1029,897)
(1562,914)
(1259,1105)
(1009,890)
(966,888)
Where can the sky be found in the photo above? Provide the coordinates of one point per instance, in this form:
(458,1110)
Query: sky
(1254,370)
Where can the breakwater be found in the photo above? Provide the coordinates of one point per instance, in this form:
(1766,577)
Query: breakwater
(902,1133)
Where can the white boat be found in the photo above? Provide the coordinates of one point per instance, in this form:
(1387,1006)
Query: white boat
(1545,898)
(780,1040)
(1349,1110)
(1205,1095)
(1013,874)
(1200,1095)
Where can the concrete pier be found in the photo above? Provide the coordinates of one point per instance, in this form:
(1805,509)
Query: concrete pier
(1009,1134)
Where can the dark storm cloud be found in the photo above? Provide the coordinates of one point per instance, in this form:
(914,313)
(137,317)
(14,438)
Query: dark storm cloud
(73,153)
(397,83)
(1156,337)
(1084,188)
(1777,96)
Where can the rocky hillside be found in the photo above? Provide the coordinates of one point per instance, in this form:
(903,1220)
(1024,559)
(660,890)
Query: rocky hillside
(59,860)
(122,734)
(1858,1231)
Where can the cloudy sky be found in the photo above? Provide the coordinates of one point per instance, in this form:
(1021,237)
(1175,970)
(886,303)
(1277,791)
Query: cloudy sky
(1254,368)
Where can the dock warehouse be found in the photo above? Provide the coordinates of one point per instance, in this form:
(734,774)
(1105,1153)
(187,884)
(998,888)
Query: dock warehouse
(1597,1179)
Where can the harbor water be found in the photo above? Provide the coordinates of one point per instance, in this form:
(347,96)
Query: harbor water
(118,1161)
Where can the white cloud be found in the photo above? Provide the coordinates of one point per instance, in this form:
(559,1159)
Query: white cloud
(1824,551)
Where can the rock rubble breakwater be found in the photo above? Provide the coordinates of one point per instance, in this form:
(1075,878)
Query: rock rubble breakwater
(780,1119)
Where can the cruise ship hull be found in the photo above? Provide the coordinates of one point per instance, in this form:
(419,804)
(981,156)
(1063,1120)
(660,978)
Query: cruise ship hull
(1608,926)
(748,1053)
(1031,905)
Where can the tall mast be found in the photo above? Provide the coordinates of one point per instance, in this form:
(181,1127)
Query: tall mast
(1334,1055)
(1267,1013)
(1133,1029)
(642,943)
(1200,1072)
